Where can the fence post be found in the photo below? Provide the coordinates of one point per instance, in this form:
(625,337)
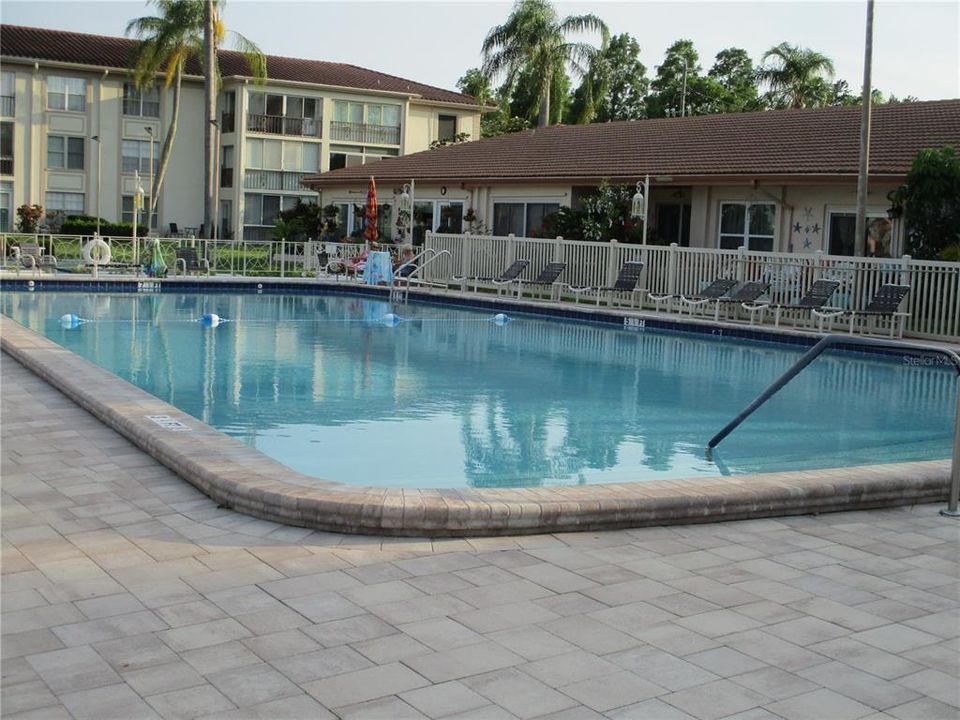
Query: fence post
(244,258)
(817,265)
(905,268)
(672,270)
(558,249)
(741,262)
(512,246)
(283,257)
(466,255)
(612,253)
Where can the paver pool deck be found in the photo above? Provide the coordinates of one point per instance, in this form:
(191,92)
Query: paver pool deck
(129,594)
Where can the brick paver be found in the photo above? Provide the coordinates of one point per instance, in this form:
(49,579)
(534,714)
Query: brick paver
(127,593)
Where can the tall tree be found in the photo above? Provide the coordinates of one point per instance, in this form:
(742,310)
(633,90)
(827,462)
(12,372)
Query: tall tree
(795,76)
(534,39)
(214,34)
(733,70)
(669,89)
(167,41)
(615,88)
(524,97)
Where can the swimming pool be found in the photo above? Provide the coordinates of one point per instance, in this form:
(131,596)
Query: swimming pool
(447,398)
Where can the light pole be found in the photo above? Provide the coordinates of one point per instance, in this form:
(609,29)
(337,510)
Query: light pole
(137,206)
(96,139)
(149,129)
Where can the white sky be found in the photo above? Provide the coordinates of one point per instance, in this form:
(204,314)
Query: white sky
(916,44)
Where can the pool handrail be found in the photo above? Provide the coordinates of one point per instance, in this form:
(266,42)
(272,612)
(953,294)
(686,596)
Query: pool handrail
(953,498)
(407,280)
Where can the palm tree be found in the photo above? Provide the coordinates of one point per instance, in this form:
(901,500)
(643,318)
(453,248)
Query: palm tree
(214,33)
(167,41)
(797,76)
(534,38)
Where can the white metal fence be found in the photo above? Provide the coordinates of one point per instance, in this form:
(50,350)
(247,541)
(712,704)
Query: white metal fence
(933,302)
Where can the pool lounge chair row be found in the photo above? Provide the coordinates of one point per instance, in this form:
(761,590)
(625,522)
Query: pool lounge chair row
(721,295)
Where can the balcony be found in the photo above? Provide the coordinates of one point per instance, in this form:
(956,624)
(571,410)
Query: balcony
(8,105)
(6,165)
(226,177)
(361,133)
(280,125)
(272,180)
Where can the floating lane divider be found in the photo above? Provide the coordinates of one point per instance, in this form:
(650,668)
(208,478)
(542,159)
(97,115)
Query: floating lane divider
(71,321)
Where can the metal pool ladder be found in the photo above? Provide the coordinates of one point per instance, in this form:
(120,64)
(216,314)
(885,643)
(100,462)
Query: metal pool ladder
(953,499)
(403,292)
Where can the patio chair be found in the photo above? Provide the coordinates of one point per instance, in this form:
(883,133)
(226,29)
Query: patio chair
(884,304)
(174,230)
(30,256)
(505,278)
(746,294)
(628,280)
(547,279)
(188,262)
(713,292)
(816,298)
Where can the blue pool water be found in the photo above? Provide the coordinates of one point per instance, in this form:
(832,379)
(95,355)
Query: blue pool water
(448,398)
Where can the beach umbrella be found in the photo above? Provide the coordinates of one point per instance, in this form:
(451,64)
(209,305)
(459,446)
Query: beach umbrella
(370,232)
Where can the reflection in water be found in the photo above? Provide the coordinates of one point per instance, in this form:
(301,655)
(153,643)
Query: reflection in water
(447,398)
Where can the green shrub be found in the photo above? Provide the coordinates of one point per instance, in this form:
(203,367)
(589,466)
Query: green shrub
(86,225)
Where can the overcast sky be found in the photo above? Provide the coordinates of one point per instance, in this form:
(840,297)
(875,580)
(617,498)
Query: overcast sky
(916,44)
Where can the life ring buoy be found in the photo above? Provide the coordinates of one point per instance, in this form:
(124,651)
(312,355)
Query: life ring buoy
(102,250)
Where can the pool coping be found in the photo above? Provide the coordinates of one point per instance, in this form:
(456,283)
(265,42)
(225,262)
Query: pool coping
(248,481)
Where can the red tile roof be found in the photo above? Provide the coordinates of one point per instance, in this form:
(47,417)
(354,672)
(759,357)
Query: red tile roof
(817,142)
(113,52)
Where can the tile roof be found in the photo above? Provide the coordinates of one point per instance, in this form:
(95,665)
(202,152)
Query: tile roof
(815,142)
(113,52)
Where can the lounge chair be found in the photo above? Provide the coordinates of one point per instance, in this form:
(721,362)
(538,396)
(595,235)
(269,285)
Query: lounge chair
(746,294)
(628,280)
(884,304)
(547,279)
(505,278)
(816,298)
(188,262)
(713,292)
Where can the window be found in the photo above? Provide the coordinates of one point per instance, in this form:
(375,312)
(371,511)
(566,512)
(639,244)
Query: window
(141,103)
(226,166)
(7,94)
(349,155)
(67,203)
(65,93)
(264,209)
(64,152)
(673,223)
(228,115)
(126,211)
(135,157)
(283,114)
(447,128)
(366,122)
(842,229)
(6,148)
(750,225)
(6,206)
(521,219)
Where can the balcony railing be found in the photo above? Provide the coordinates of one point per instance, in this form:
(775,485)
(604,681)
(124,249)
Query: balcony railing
(227,122)
(272,180)
(141,108)
(6,165)
(279,125)
(361,133)
(226,177)
(8,105)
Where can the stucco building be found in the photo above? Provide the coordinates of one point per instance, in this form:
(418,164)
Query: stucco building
(70,114)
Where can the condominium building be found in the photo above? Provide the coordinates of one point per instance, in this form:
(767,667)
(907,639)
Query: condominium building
(75,131)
